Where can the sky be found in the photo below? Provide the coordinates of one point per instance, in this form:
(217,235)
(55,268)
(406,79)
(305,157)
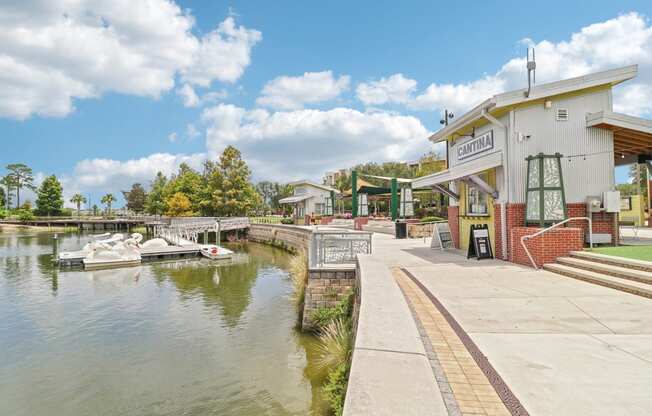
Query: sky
(106,93)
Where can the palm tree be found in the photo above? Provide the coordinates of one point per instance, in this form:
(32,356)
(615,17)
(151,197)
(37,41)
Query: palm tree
(78,199)
(108,199)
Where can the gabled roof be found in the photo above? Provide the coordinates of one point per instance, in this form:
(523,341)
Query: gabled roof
(314,185)
(610,77)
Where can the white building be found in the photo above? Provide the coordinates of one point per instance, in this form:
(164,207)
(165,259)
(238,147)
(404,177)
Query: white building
(310,199)
(504,157)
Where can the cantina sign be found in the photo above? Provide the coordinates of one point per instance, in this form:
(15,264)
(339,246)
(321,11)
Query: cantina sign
(478,145)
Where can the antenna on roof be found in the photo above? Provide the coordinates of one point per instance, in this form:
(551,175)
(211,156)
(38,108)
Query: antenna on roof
(531,71)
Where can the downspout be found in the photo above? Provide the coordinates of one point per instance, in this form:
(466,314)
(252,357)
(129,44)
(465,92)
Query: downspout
(503,209)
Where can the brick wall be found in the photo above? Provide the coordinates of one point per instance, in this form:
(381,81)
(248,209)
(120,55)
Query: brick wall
(603,222)
(546,247)
(326,288)
(454,224)
(498,230)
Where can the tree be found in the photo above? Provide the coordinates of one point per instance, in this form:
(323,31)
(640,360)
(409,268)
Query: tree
(6,183)
(20,176)
(49,200)
(107,200)
(179,205)
(155,201)
(78,200)
(135,198)
(233,193)
(187,181)
(96,210)
(3,198)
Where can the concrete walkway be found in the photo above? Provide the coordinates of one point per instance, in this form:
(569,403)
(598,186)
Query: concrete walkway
(563,346)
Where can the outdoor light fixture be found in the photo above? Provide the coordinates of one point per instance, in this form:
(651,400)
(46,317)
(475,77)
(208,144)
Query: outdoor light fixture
(545,198)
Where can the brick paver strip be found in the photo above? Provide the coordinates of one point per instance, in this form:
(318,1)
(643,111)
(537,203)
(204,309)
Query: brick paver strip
(507,397)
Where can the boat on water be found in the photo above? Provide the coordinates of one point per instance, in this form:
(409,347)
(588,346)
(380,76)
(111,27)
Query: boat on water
(214,252)
(119,254)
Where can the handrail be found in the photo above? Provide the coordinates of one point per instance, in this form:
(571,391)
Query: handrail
(545,230)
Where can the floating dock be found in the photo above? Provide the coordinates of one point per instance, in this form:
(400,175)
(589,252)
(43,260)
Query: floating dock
(75,258)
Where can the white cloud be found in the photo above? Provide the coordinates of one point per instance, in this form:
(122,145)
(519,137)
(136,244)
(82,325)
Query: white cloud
(54,52)
(223,54)
(394,89)
(305,143)
(172,137)
(624,40)
(109,175)
(191,99)
(192,131)
(292,93)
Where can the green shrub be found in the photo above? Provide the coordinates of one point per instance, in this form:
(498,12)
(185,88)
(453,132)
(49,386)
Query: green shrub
(431,219)
(335,388)
(3,214)
(25,215)
(66,212)
(287,221)
(323,316)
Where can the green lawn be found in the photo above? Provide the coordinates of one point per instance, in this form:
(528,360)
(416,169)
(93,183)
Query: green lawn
(630,252)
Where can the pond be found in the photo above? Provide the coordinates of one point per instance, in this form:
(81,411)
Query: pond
(190,337)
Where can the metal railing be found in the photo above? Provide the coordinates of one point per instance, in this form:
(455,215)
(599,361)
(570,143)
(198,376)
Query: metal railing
(331,247)
(545,230)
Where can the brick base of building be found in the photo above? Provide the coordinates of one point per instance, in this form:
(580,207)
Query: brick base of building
(546,247)
(454,224)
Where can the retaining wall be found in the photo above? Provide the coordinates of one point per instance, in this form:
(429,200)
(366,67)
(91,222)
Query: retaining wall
(325,287)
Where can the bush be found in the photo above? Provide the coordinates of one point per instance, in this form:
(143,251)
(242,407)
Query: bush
(335,388)
(431,219)
(66,212)
(3,214)
(324,316)
(25,215)
(287,221)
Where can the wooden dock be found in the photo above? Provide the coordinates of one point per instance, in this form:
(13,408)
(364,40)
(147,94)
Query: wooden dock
(75,258)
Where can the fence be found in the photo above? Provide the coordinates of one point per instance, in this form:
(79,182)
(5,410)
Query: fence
(330,248)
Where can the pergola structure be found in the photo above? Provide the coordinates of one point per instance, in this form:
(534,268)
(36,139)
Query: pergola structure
(632,136)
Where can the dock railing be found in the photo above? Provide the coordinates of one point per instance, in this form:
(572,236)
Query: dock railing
(331,248)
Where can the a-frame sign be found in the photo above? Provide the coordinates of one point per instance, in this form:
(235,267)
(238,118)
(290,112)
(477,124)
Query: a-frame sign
(479,243)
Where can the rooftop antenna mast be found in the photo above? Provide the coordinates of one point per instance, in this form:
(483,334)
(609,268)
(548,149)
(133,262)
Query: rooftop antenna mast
(531,71)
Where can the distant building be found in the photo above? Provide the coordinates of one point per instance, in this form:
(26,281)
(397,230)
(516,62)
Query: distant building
(310,199)
(330,178)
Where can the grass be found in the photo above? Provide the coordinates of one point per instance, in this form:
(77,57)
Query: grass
(299,274)
(629,252)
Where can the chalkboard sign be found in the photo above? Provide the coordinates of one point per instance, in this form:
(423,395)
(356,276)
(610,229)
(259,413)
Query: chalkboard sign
(479,243)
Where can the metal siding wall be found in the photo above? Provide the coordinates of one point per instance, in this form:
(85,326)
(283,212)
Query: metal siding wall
(581,177)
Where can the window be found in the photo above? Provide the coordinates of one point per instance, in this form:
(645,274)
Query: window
(545,198)
(476,199)
(320,208)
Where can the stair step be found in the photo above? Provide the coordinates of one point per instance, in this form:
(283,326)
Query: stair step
(606,268)
(613,260)
(636,288)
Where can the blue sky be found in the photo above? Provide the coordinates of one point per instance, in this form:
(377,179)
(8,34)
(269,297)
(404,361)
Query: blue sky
(98,100)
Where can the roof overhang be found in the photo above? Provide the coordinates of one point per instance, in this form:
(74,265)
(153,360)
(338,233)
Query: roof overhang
(632,135)
(500,101)
(464,170)
(294,199)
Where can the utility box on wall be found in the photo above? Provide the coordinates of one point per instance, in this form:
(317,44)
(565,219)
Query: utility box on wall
(611,201)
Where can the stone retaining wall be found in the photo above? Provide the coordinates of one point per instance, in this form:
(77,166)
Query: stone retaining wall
(326,286)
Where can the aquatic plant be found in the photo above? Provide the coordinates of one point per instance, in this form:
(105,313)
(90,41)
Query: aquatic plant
(299,274)
(321,317)
(334,390)
(335,344)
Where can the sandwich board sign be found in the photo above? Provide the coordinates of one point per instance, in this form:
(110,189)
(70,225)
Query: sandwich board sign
(479,243)
(441,236)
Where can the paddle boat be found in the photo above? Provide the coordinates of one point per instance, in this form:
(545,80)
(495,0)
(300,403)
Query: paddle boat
(214,252)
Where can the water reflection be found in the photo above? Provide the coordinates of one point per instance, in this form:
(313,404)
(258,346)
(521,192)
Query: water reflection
(184,337)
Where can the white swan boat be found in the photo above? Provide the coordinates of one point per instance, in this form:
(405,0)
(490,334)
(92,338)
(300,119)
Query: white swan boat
(214,252)
(112,253)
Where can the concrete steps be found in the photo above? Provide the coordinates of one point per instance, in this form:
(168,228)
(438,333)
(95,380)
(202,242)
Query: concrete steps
(607,268)
(613,260)
(599,278)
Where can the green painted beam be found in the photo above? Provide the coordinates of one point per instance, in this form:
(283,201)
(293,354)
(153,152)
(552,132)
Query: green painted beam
(354,194)
(394,200)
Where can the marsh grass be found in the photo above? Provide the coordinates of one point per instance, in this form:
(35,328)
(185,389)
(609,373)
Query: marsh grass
(299,274)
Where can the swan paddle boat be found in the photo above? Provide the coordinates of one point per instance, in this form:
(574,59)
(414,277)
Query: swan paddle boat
(214,252)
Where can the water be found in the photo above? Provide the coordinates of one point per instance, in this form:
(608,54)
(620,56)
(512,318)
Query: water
(176,338)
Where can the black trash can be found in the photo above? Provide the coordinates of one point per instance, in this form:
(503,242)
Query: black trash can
(401,229)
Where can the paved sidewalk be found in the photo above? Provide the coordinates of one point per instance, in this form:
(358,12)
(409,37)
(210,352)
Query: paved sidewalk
(563,346)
